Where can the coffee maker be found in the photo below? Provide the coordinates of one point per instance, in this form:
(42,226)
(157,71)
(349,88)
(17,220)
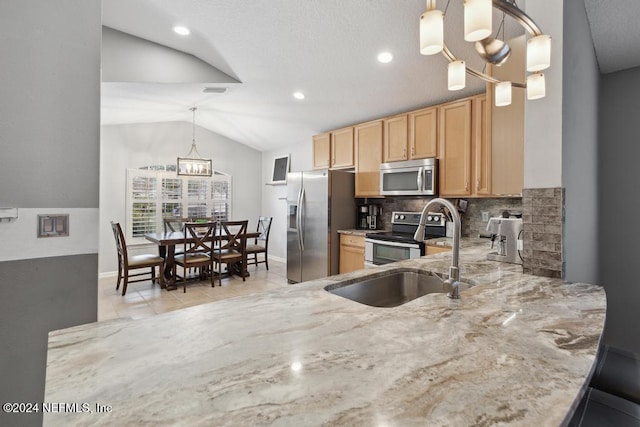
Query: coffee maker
(506,232)
(368,216)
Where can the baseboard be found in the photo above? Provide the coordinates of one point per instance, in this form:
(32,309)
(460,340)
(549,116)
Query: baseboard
(278,259)
(107,274)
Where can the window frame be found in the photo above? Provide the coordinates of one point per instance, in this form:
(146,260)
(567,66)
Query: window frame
(208,197)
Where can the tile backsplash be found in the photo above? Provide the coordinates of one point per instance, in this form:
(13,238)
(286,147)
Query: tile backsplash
(472,223)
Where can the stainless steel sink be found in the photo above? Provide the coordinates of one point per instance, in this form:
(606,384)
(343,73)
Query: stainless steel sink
(393,289)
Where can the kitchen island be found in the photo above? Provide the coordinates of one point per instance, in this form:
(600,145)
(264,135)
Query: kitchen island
(514,350)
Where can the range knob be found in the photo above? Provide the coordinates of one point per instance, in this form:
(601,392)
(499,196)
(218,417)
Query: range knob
(402,216)
(429,218)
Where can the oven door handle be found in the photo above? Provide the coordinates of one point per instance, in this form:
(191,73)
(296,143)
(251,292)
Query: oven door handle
(397,244)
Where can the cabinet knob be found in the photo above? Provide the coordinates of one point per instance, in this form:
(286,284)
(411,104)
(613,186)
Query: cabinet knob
(466,186)
(477,184)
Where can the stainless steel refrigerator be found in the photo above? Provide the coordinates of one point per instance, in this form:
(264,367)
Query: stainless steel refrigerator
(319,203)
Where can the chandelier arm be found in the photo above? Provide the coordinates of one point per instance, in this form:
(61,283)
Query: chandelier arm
(487,78)
(517,14)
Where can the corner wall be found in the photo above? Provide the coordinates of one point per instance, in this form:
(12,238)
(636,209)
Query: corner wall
(619,228)
(580,164)
(49,134)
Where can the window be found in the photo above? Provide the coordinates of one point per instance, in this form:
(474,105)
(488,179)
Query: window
(154,193)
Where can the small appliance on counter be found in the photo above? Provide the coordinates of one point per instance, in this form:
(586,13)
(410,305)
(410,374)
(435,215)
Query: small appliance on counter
(368,217)
(506,232)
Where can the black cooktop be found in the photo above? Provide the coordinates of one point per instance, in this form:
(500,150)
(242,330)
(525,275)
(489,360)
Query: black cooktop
(392,236)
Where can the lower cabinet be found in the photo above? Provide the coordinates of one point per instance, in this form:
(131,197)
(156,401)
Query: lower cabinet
(351,253)
(436,249)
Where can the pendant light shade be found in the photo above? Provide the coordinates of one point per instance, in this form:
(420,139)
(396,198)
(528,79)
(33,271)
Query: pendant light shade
(536,86)
(431,32)
(193,164)
(538,53)
(503,94)
(478,16)
(457,72)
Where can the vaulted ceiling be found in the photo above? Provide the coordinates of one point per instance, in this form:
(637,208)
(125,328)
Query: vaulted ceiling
(326,49)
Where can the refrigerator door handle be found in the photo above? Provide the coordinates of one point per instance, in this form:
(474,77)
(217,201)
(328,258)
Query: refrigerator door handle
(301,216)
(298,223)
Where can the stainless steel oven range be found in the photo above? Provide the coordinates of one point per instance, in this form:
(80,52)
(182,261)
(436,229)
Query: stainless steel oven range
(398,244)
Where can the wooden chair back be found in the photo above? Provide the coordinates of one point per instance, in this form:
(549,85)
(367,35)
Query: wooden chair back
(121,245)
(199,237)
(233,235)
(264,227)
(173,224)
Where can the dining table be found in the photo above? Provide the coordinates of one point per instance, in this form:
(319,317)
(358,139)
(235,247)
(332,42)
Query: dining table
(167,242)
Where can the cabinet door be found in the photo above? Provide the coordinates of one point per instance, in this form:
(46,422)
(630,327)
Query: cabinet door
(321,150)
(436,249)
(342,148)
(368,157)
(351,253)
(395,139)
(455,148)
(481,146)
(423,142)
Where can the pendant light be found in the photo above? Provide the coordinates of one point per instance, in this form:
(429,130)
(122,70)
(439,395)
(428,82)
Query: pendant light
(538,53)
(536,86)
(457,72)
(431,30)
(193,164)
(478,16)
(503,94)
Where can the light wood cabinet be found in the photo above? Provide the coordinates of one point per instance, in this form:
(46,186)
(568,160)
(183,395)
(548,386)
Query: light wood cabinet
(423,136)
(436,249)
(321,151)
(342,148)
(395,139)
(351,253)
(482,149)
(454,138)
(507,125)
(368,140)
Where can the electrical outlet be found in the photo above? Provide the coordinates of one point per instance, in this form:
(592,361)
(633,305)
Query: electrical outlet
(485,216)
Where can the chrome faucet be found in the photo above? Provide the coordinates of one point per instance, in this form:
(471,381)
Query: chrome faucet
(454,271)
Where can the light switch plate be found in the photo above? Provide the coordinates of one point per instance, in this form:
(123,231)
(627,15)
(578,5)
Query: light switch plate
(485,216)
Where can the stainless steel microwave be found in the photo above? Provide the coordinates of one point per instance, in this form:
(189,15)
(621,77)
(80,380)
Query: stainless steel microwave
(409,178)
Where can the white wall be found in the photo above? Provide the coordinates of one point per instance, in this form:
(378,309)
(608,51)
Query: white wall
(580,146)
(136,145)
(543,117)
(273,199)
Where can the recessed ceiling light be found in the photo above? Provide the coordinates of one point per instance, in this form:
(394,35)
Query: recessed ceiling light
(298,95)
(385,57)
(183,31)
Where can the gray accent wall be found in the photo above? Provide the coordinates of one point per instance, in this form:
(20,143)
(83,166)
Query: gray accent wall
(49,134)
(619,151)
(580,164)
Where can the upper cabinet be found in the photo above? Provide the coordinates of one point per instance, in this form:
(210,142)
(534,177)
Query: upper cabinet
(368,138)
(321,151)
(411,136)
(395,139)
(423,136)
(342,148)
(454,137)
(481,146)
(507,125)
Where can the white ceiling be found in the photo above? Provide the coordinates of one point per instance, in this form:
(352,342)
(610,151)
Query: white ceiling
(326,49)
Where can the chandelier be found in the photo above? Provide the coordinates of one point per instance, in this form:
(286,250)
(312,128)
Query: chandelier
(193,164)
(478,29)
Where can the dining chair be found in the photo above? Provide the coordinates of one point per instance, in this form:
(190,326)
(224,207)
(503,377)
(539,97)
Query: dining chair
(173,224)
(231,248)
(199,240)
(127,263)
(260,244)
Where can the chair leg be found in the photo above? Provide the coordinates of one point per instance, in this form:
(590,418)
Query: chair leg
(266,261)
(126,282)
(119,275)
(153,275)
(184,277)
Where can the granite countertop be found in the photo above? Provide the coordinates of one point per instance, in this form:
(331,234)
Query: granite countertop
(359,231)
(514,350)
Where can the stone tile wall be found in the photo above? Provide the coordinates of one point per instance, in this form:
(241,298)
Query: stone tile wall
(542,222)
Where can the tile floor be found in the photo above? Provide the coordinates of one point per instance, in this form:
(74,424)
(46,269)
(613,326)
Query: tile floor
(145,299)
